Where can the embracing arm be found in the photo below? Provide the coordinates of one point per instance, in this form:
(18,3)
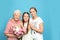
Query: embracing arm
(28,27)
(7,30)
(9,35)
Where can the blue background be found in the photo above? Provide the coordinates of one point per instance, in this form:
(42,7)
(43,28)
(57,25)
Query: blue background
(48,10)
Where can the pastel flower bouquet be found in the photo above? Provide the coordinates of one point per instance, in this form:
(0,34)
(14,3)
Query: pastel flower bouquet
(18,31)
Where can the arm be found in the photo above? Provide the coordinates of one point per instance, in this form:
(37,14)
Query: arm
(7,32)
(9,35)
(21,23)
(40,30)
(29,27)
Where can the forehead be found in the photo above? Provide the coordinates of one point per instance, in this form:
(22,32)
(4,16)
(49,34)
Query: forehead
(16,13)
(26,14)
(32,9)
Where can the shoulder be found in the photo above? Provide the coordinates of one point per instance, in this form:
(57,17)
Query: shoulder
(40,20)
(10,23)
(10,20)
(20,22)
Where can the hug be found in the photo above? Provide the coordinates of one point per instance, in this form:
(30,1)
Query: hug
(25,29)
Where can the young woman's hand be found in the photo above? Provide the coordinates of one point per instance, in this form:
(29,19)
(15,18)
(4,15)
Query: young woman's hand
(32,26)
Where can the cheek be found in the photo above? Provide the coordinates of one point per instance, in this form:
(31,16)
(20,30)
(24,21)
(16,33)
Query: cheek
(25,18)
(34,13)
(17,17)
(31,13)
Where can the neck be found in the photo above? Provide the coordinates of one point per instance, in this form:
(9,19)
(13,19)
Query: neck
(34,17)
(15,20)
(25,22)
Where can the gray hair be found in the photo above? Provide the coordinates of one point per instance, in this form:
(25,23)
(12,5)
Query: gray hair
(17,12)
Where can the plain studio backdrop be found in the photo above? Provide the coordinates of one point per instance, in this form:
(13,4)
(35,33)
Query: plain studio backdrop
(48,10)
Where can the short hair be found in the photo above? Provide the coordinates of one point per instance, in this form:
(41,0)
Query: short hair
(17,11)
(33,8)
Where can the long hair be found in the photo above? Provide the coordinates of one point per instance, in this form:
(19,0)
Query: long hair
(28,19)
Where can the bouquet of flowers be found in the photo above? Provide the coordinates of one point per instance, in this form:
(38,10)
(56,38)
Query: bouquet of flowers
(18,30)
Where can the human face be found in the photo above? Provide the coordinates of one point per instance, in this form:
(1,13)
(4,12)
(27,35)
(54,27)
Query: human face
(16,16)
(26,17)
(33,12)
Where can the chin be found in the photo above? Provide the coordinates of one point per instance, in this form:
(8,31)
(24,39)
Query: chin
(33,15)
(16,19)
(25,20)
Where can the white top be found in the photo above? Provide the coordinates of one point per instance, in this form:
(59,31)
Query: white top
(25,25)
(27,36)
(36,23)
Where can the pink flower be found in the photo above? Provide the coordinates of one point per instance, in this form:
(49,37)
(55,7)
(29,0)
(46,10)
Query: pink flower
(19,31)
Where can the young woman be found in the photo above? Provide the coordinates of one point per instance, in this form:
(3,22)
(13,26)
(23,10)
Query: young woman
(37,22)
(26,24)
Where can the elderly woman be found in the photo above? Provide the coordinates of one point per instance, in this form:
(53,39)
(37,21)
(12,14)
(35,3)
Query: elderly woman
(12,22)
